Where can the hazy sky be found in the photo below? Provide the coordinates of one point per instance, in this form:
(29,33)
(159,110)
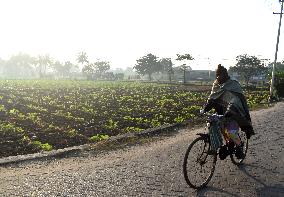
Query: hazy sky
(122,31)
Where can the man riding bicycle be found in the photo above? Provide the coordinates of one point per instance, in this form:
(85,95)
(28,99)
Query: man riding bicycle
(227,98)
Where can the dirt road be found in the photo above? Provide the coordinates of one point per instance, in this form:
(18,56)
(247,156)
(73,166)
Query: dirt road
(155,169)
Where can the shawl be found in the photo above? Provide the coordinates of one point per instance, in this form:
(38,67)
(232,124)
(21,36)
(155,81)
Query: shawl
(231,96)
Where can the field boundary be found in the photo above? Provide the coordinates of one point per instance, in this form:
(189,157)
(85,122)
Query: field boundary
(76,149)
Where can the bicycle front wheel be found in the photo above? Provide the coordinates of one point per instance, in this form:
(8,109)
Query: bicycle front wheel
(199,163)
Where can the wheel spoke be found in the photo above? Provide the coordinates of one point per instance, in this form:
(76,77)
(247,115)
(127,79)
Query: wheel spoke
(198,163)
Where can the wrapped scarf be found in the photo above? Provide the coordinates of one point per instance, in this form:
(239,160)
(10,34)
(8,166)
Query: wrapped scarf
(228,99)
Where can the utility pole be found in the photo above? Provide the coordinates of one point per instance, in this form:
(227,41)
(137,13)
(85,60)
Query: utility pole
(275,58)
(209,74)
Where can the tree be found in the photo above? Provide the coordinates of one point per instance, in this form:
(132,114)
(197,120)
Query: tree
(147,65)
(58,67)
(42,63)
(167,67)
(184,59)
(63,70)
(119,76)
(19,66)
(67,68)
(89,70)
(82,58)
(2,65)
(248,66)
(101,67)
(108,76)
(279,66)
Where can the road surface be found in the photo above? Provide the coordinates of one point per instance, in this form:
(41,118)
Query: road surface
(155,168)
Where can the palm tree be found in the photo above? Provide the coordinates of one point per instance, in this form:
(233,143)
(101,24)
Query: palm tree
(42,62)
(82,58)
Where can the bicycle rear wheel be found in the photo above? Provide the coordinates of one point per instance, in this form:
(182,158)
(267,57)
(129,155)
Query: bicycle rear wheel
(199,163)
(243,137)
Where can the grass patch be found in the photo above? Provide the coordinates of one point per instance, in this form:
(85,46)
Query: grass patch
(44,147)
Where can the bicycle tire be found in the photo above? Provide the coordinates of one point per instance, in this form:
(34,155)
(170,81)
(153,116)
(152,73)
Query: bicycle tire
(244,139)
(186,171)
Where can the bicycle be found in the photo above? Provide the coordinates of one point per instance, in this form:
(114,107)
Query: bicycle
(205,155)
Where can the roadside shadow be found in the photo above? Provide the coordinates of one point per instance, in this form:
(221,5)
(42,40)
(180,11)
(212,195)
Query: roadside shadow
(209,189)
(244,167)
(272,191)
(266,190)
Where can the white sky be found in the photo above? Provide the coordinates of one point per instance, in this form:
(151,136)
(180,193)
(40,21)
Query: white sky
(121,31)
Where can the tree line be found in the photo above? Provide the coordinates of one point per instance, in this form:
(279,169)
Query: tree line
(22,66)
(247,66)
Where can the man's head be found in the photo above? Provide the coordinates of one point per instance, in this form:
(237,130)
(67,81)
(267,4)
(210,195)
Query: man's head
(221,74)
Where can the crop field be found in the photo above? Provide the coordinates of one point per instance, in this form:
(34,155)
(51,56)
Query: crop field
(46,115)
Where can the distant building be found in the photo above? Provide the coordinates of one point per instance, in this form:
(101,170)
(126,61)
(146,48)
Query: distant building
(202,75)
(256,79)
